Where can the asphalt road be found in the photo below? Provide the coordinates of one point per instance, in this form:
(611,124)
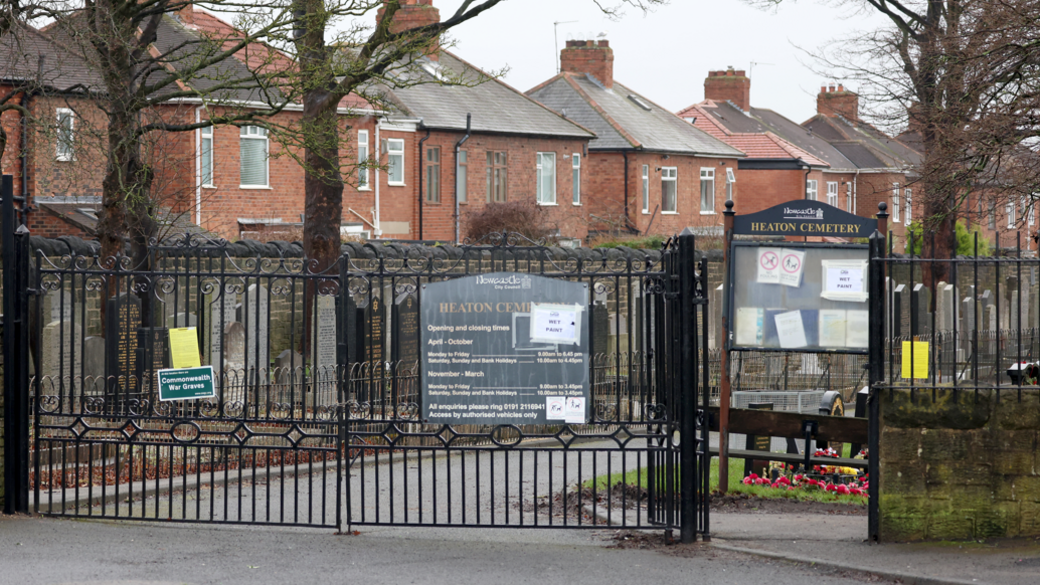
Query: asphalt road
(46,551)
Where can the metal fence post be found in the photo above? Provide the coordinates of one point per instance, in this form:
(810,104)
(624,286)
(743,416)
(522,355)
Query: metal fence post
(16,363)
(688,388)
(876,345)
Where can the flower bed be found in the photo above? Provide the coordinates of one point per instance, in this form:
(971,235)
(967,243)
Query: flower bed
(844,481)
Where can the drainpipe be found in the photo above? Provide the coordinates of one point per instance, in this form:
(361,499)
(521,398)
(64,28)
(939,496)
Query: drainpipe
(458,145)
(805,184)
(855,187)
(198,168)
(421,160)
(377,231)
(23,157)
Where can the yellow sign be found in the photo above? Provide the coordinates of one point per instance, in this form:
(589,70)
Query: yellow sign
(184,348)
(919,363)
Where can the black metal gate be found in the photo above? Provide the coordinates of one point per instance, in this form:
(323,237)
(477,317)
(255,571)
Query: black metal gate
(327,432)
(639,462)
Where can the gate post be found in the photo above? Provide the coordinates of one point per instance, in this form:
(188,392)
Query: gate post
(876,351)
(16,362)
(687,388)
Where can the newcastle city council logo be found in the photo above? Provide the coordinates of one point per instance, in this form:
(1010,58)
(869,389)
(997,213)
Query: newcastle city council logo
(808,213)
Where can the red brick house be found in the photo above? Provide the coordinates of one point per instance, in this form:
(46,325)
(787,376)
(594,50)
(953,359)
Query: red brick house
(833,157)
(651,172)
(245,181)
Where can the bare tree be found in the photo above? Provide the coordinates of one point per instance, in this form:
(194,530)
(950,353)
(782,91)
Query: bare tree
(965,76)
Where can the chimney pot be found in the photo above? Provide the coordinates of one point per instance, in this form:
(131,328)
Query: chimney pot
(604,43)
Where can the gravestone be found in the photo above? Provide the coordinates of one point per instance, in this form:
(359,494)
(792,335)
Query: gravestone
(154,341)
(898,303)
(944,304)
(122,320)
(288,372)
(93,365)
(967,324)
(325,339)
(219,312)
(406,337)
(991,318)
(985,302)
(253,316)
(57,305)
(600,329)
(61,355)
(182,320)
(920,317)
(234,361)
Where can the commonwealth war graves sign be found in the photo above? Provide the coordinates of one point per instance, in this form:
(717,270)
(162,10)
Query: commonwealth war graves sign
(505,348)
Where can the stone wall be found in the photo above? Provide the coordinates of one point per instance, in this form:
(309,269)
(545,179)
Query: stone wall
(959,466)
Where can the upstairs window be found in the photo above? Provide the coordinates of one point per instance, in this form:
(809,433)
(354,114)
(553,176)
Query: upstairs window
(433,175)
(362,154)
(731,181)
(1011,214)
(669,176)
(909,204)
(66,127)
(461,174)
(206,156)
(545,183)
(832,193)
(849,204)
(646,188)
(576,178)
(253,148)
(707,190)
(811,190)
(395,161)
(992,214)
(895,202)
(497,178)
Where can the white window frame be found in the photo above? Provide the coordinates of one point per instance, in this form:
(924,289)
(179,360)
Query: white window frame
(670,174)
(395,161)
(576,178)
(67,154)
(205,134)
(1031,214)
(541,197)
(992,218)
(895,202)
(255,133)
(363,154)
(908,195)
(731,180)
(811,190)
(832,193)
(849,203)
(707,178)
(1011,207)
(646,188)
(462,176)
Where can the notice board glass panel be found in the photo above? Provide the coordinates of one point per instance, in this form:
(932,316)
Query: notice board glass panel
(789,296)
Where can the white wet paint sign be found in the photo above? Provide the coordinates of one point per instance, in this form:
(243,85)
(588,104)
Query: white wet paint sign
(552,323)
(844,280)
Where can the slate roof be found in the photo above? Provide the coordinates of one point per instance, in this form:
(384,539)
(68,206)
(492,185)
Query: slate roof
(60,69)
(862,143)
(495,107)
(82,212)
(624,119)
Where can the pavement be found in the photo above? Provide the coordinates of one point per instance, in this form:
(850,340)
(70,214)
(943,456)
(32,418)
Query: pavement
(839,541)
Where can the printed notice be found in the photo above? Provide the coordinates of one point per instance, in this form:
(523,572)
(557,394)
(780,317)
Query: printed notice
(832,328)
(504,348)
(789,329)
(184,348)
(857,324)
(554,323)
(915,360)
(574,410)
(769,265)
(792,264)
(749,326)
(843,280)
(554,407)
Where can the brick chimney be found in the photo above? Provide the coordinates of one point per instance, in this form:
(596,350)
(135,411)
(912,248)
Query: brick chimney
(730,85)
(187,14)
(594,58)
(836,100)
(413,14)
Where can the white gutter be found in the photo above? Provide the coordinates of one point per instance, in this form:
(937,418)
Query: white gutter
(198,168)
(266,106)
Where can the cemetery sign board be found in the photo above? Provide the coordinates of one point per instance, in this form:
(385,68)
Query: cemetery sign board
(505,348)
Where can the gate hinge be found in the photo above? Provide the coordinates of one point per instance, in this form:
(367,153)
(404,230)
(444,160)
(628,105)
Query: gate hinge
(32,291)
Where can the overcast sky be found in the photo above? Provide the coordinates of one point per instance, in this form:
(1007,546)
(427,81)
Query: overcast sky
(665,55)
